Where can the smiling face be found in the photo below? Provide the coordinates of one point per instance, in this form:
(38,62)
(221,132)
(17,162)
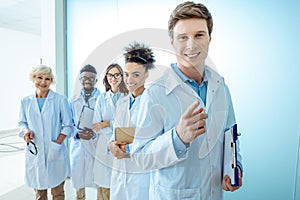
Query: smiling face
(191,41)
(114,78)
(135,76)
(88,81)
(42,82)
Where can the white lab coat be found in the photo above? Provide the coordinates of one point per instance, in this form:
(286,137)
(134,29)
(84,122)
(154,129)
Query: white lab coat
(196,173)
(104,111)
(50,167)
(128,182)
(82,151)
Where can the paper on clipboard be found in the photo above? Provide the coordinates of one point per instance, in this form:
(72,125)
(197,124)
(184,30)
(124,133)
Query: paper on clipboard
(125,134)
(230,155)
(86,118)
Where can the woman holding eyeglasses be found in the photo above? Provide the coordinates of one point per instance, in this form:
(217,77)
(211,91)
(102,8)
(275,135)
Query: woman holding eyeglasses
(128,182)
(44,122)
(103,119)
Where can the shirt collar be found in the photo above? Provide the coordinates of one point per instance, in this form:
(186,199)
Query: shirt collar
(132,97)
(111,94)
(92,94)
(184,78)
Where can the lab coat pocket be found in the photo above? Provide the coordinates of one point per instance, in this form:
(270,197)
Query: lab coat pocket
(55,151)
(162,192)
(30,160)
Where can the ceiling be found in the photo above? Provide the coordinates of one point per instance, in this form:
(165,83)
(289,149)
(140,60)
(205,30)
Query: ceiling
(21,15)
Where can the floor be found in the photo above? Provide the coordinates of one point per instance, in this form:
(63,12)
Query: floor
(12,185)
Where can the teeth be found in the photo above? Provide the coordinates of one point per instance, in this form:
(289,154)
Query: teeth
(191,55)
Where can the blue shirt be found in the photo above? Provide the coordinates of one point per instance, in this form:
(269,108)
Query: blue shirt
(201,89)
(41,102)
(114,96)
(86,97)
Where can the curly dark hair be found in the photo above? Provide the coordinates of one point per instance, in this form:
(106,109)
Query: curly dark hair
(139,53)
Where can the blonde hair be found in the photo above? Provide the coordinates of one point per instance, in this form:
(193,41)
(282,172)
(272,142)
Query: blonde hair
(41,70)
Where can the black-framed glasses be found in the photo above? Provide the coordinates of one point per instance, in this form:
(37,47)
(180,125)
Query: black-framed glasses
(116,75)
(32,148)
(85,78)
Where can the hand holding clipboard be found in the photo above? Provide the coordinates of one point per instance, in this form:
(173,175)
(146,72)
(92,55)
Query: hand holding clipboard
(231,170)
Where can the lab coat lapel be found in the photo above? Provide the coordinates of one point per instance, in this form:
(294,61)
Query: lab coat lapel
(173,80)
(92,100)
(214,81)
(34,107)
(111,103)
(36,118)
(216,110)
(127,117)
(47,103)
(122,117)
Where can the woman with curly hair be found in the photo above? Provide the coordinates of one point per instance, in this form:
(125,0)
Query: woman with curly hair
(128,181)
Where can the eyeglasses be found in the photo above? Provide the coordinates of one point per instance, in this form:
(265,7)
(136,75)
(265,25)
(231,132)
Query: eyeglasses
(32,148)
(85,78)
(116,75)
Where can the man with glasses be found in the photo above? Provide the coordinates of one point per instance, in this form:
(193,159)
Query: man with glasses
(83,143)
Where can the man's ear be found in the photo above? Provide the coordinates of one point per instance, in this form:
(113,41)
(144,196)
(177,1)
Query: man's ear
(171,40)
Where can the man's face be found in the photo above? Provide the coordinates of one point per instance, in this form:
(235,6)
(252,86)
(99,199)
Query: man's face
(88,80)
(191,41)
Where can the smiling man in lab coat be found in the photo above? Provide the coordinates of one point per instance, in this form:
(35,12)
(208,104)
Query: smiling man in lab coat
(183,117)
(83,145)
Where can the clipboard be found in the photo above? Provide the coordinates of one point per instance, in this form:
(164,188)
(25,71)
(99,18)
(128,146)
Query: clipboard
(85,118)
(230,155)
(124,134)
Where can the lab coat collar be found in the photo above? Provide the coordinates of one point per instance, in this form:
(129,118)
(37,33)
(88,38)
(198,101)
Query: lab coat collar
(50,95)
(124,99)
(94,92)
(109,94)
(172,80)
(79,96)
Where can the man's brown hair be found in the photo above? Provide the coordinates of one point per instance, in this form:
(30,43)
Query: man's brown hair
(189,10)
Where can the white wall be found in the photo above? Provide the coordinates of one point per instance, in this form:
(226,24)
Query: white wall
(19,51)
